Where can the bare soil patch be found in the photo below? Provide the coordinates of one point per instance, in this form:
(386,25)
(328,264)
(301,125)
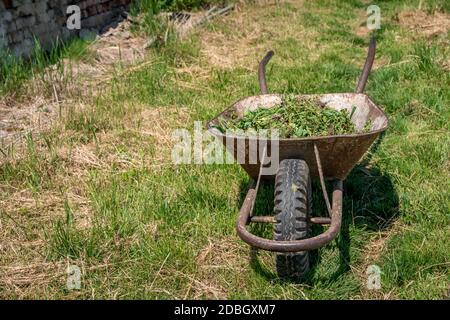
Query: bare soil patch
(423,24)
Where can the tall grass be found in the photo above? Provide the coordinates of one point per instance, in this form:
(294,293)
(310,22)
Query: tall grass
(173,5)
(16,71)
(158,27)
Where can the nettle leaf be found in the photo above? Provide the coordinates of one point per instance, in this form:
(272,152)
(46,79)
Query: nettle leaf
(296,118)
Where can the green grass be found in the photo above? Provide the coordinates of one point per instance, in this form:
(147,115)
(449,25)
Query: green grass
(16,71)
(293,118)
(104,195)
(156,26)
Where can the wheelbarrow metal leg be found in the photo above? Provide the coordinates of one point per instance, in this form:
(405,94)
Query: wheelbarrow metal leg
(295,245)
(271,219)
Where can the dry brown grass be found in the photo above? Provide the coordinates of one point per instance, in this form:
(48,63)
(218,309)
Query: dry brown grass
(423,24)
(24,268)
(250,39)
(29,280)
(219,255)
(46,96)
(26,215)
(222,253)
(371,254)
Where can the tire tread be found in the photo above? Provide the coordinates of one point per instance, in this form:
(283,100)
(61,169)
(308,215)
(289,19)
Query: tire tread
(292,208)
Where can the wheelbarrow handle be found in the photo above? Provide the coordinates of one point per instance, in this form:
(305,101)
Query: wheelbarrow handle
(367,66)
(291,245)
(361,82)
(262,72)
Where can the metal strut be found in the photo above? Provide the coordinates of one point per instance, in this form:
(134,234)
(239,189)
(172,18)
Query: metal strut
(290,245)
(322,179)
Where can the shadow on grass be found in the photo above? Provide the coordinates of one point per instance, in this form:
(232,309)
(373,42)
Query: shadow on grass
(370,203)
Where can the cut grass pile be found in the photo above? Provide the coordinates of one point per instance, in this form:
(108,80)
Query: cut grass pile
(294,118)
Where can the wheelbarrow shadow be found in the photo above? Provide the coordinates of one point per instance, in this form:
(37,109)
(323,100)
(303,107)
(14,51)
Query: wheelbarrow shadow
(370,203)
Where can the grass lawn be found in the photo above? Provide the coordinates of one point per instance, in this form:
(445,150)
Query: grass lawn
(99,189)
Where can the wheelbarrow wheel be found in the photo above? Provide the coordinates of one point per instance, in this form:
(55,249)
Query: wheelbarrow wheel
(292,208)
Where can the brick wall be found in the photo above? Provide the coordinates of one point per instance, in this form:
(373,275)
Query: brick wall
(22,20)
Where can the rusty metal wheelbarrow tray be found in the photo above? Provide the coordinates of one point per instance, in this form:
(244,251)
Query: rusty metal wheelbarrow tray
(328,157)
(338,153)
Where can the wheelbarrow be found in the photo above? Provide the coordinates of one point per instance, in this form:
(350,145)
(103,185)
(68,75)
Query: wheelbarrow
(301,160)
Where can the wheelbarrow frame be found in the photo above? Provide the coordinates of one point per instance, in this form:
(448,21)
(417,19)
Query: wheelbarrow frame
(335,207)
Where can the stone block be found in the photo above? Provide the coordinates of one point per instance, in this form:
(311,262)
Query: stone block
(43,18)
(41,6)
(17,36)
(6,16)
(46,20)
(26,9)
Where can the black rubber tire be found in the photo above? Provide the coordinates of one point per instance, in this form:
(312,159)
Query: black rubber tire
(292,209)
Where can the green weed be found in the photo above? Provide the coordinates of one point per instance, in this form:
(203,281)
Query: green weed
(293,118)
